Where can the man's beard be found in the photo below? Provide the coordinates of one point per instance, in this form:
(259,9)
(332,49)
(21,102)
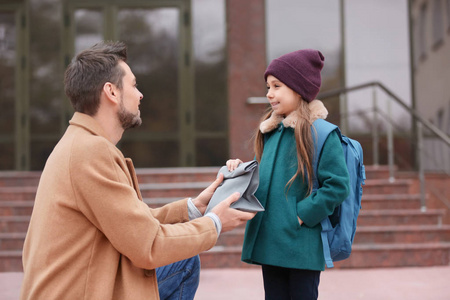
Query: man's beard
(127,119)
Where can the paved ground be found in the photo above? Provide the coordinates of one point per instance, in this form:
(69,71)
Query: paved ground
(369,284)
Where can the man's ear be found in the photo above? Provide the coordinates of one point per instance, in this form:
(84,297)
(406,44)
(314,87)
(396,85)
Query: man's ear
(111,92)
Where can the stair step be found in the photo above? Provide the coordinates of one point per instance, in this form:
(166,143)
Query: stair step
(16,208)
(18,193)
(172,175)
(398,255)
(183,189)
(369,235)
(384,186)
(393,201)
(158,175)
(363,256)
(392,231)
(12,241)
(393,217)
(364,236)
(378,172)
(13,178)
(14,224)
(180,190)
(396,201)
(11,261)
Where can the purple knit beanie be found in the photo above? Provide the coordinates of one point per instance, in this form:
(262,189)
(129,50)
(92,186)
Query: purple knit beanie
(299,70)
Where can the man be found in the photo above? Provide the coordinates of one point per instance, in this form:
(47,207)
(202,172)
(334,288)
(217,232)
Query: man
(91,236)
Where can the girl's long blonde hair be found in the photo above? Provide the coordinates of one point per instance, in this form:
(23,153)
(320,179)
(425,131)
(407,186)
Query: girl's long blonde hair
(303,141)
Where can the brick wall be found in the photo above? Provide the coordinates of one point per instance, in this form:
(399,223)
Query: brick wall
(246,50)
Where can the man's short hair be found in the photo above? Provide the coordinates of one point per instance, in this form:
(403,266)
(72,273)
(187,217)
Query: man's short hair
(90,70)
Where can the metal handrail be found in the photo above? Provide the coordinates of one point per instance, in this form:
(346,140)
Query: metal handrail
(430,126)
(421,122)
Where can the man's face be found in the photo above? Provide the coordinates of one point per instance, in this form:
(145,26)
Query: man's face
(130,98)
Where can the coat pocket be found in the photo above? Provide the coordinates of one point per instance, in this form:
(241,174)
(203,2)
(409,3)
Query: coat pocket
(293,217)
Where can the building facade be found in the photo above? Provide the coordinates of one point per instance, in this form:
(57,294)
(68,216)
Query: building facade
(197,62)
(430,21)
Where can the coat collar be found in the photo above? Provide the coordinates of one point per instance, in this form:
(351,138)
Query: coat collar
(318,111)
(89,123)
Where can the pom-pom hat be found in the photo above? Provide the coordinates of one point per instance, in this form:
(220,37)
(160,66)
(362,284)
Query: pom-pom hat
(300,71)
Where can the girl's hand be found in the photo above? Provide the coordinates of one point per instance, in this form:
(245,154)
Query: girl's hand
(232,164)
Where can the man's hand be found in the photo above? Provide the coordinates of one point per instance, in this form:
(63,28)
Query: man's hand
(202,200)
(231,217)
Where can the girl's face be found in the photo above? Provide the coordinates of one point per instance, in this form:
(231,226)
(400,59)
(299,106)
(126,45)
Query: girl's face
(282,98)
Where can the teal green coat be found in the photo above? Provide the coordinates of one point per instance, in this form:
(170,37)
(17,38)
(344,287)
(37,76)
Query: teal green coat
(275,237)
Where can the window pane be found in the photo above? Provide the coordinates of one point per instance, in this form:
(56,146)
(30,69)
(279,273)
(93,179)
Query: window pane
(46,88)
(88,28)
(447,6)
(152,39)
(210,65)
(438,25)
(422,30)
(7,89)
(155,154)
(214,152)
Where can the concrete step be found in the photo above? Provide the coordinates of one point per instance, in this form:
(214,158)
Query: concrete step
(385,187)
(145,175)
(193,188)
(395,217)
(398,255)
(378,172)
(148,190)
(16,208)
(13,178)
(393,201)
(12,241)
(171,175)
(411,234)
(370,235)
(172,190)
(160,175)
(12,224)
(363,256)
(18,193)
(11,261)
(364,235)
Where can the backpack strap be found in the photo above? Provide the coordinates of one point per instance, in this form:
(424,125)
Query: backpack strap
(320,135)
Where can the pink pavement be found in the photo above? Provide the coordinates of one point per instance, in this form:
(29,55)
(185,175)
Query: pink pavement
(341,284)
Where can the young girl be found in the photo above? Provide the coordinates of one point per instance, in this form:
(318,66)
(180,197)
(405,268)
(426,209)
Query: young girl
(285,239)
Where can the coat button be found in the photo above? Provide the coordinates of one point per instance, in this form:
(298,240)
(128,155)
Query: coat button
(149,273)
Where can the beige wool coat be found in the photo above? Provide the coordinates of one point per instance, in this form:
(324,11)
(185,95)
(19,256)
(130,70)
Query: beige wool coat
(91,236)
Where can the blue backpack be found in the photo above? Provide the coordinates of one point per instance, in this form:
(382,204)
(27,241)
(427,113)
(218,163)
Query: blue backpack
(338,230)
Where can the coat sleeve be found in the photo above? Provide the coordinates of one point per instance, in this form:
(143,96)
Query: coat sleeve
(334,183)
(105,196)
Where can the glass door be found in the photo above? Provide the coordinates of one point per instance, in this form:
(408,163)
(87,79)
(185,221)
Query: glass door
(13,88)
(157,34)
